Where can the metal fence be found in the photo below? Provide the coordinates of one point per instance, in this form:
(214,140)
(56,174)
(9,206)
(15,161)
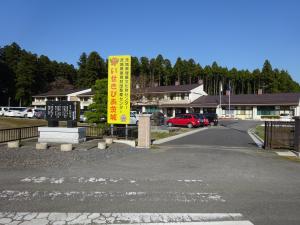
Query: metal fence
(13,134)
(279,134)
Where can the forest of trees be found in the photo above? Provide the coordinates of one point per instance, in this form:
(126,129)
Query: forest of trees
(23,74)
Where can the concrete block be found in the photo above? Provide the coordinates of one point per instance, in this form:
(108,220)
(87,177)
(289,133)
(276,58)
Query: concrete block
(41,146)
(101,145)
(126,142)
(108,141)
(66,147)
(13,144)
(62,135)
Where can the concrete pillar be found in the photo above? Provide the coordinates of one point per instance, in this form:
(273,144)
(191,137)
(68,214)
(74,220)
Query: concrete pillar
(187,110)
(144,132)
(173,112)
(219,111)
(297,111)
(297,135)
(254,112)
(144,109)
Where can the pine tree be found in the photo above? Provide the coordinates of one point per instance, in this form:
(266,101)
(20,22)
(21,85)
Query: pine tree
(25,78)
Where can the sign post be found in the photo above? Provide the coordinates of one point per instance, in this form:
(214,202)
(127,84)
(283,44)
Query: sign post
(118,99)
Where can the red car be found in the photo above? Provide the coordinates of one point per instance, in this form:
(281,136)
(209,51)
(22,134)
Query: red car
(189,120)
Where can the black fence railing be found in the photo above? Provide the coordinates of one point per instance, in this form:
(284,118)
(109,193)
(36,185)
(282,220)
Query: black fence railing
(131,132)
(279,134)
(14,134)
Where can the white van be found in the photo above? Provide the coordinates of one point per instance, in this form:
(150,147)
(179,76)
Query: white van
(3,109)
(134,120)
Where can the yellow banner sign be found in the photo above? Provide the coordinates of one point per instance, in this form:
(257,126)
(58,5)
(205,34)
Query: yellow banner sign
(118,102)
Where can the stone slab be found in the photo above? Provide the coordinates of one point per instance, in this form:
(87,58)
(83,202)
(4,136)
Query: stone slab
(62,135)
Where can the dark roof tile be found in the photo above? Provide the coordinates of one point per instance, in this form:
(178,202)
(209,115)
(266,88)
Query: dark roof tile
(249,99)
(171,88)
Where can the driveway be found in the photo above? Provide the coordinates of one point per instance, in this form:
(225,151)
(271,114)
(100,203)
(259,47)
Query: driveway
(229,133)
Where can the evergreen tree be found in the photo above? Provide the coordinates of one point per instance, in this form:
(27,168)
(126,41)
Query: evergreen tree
(98,109)
(82,70)
(25,78)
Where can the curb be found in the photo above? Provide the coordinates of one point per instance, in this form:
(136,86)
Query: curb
(258,141)
(164,140)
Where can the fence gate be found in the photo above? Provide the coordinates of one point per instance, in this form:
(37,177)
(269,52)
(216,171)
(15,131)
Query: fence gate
(279,134)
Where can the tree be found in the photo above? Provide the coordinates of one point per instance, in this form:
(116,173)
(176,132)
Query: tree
(144,72)
(98,109)
(82,70)
(267,77)
(178,69)
(95,69)
(25,78)
(61,83)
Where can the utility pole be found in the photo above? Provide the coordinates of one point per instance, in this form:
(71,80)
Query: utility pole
(220,102)
(229,100)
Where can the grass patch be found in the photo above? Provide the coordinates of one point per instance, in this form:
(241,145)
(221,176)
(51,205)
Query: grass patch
(260,131)
(291,158)
(161,135)
(7,122)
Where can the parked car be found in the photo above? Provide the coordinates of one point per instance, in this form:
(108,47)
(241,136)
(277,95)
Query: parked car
(40,113)
(285,117)
(134,120)
(82,117)
(3,110)
(16,112)
(203,120)
(212,118)
(189,120)
(157,119)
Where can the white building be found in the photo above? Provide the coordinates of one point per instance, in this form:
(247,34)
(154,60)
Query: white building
(84,96)
(170,100)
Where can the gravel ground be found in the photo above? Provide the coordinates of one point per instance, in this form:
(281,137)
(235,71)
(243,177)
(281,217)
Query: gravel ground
(28,157)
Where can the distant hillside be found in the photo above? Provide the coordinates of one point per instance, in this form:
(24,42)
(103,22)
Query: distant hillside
(23,74)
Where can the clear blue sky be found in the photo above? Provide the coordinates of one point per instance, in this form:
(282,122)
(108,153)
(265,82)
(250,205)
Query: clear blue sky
(235,33)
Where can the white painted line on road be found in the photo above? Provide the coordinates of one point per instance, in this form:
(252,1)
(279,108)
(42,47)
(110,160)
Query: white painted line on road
(258,141)
(241,222)
(96,180)
(123,218)
(164,140)
(286,154)
(60,180)
(14,195)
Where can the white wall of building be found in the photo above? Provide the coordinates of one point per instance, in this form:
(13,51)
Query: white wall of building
(196,93)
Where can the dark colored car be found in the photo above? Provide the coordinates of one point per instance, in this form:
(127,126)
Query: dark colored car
(203,120)
(157,119)
(40,113)
(189,120)
(212,118)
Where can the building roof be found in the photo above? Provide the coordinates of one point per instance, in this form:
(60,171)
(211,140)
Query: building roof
(171,88)
(87,94)
(248,99)
(59,92)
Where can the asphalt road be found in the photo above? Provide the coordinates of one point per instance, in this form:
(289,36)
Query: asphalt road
(258,187)
(229,133)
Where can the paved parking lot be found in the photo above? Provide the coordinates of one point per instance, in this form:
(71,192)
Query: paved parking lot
(228,133)
(184,183)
